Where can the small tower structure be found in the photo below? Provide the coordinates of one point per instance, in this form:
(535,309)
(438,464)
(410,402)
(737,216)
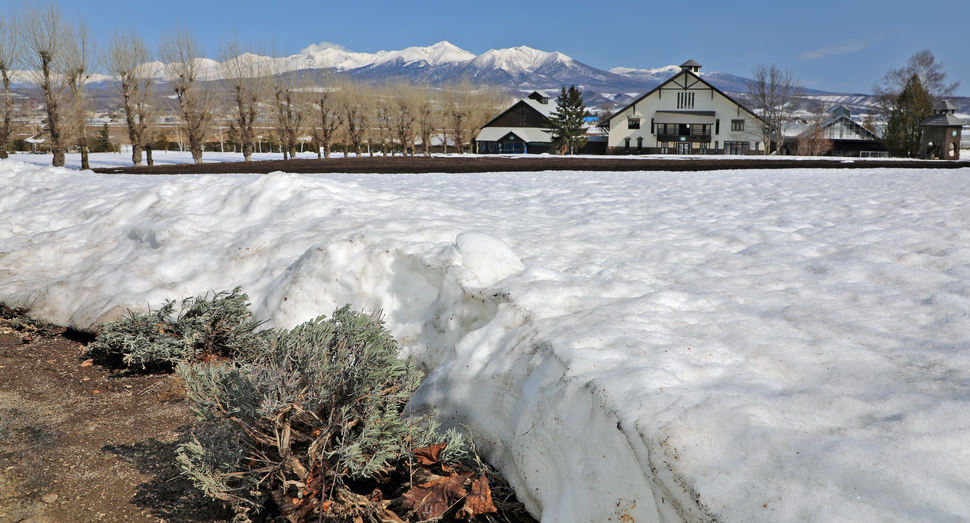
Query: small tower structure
(691,66)
(941,133)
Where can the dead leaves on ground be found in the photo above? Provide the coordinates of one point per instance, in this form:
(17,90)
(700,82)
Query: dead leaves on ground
(437,487)
(433,491)
(16,321)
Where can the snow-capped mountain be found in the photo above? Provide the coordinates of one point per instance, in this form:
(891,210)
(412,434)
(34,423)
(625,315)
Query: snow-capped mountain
(440,54)
(517,68)
(524,67)
(521,67)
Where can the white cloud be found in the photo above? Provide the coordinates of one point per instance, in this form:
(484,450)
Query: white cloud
(316,48)
(844,48)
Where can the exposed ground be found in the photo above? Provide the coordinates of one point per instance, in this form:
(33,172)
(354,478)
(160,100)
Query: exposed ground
(463,164)
(82,443)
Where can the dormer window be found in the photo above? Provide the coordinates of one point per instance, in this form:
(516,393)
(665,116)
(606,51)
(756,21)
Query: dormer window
(633,122)
(539,97)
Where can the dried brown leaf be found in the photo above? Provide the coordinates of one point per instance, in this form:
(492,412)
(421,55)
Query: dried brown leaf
(478,501)
(428,456)
(430,500)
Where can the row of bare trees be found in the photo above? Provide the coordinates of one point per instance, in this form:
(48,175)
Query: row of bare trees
(60,55)
(328,109)
(255,94)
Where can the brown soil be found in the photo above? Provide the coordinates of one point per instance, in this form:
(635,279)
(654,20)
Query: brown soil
(82,443)
(464,164)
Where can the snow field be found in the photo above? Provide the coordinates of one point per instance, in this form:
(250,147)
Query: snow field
(761,345)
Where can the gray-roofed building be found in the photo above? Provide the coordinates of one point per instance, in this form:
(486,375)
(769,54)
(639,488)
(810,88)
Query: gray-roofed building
(845,136)
(524,127)
(942,133)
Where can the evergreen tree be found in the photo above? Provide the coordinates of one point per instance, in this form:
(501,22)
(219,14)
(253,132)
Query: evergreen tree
(903,132)
(102,142)
(568,128)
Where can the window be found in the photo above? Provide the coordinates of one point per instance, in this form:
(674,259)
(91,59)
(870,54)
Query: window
(685,100)
(639,144)
(632,123)
(717,127)
(737,125)
(736,147)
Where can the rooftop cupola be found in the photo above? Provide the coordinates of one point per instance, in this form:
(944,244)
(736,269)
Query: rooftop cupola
(691,66)
(944,107)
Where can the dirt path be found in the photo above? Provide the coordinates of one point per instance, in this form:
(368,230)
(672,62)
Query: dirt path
(79,443)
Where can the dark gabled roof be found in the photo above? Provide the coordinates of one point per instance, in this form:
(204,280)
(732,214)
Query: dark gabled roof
(690,63)
(942,120)
(524,102)
(671,79)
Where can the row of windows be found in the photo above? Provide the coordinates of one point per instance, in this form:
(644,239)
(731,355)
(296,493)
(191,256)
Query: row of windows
(730,147)
(633,122)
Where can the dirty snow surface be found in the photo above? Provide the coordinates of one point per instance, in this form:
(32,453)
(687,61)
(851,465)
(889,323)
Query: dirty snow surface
(738,346)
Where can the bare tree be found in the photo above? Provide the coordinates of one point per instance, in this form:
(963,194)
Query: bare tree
(358,112)
(427,116)
(10,55)
(290,101)
(457,106)
(467,106)
(929,72)
(44,30)
(182,55)
(246,78)
(774,92)
(80,58)
(129,58)
(384,111)
(328,104)
(813,141)
(404,102)
(489,101)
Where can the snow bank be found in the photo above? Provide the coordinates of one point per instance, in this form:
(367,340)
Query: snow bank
(768,345)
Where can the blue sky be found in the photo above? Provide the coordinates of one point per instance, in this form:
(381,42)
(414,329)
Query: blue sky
(832,45)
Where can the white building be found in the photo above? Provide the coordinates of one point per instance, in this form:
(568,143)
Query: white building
(685,115)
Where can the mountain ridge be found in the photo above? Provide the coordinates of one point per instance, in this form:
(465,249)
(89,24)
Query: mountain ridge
(519,68)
